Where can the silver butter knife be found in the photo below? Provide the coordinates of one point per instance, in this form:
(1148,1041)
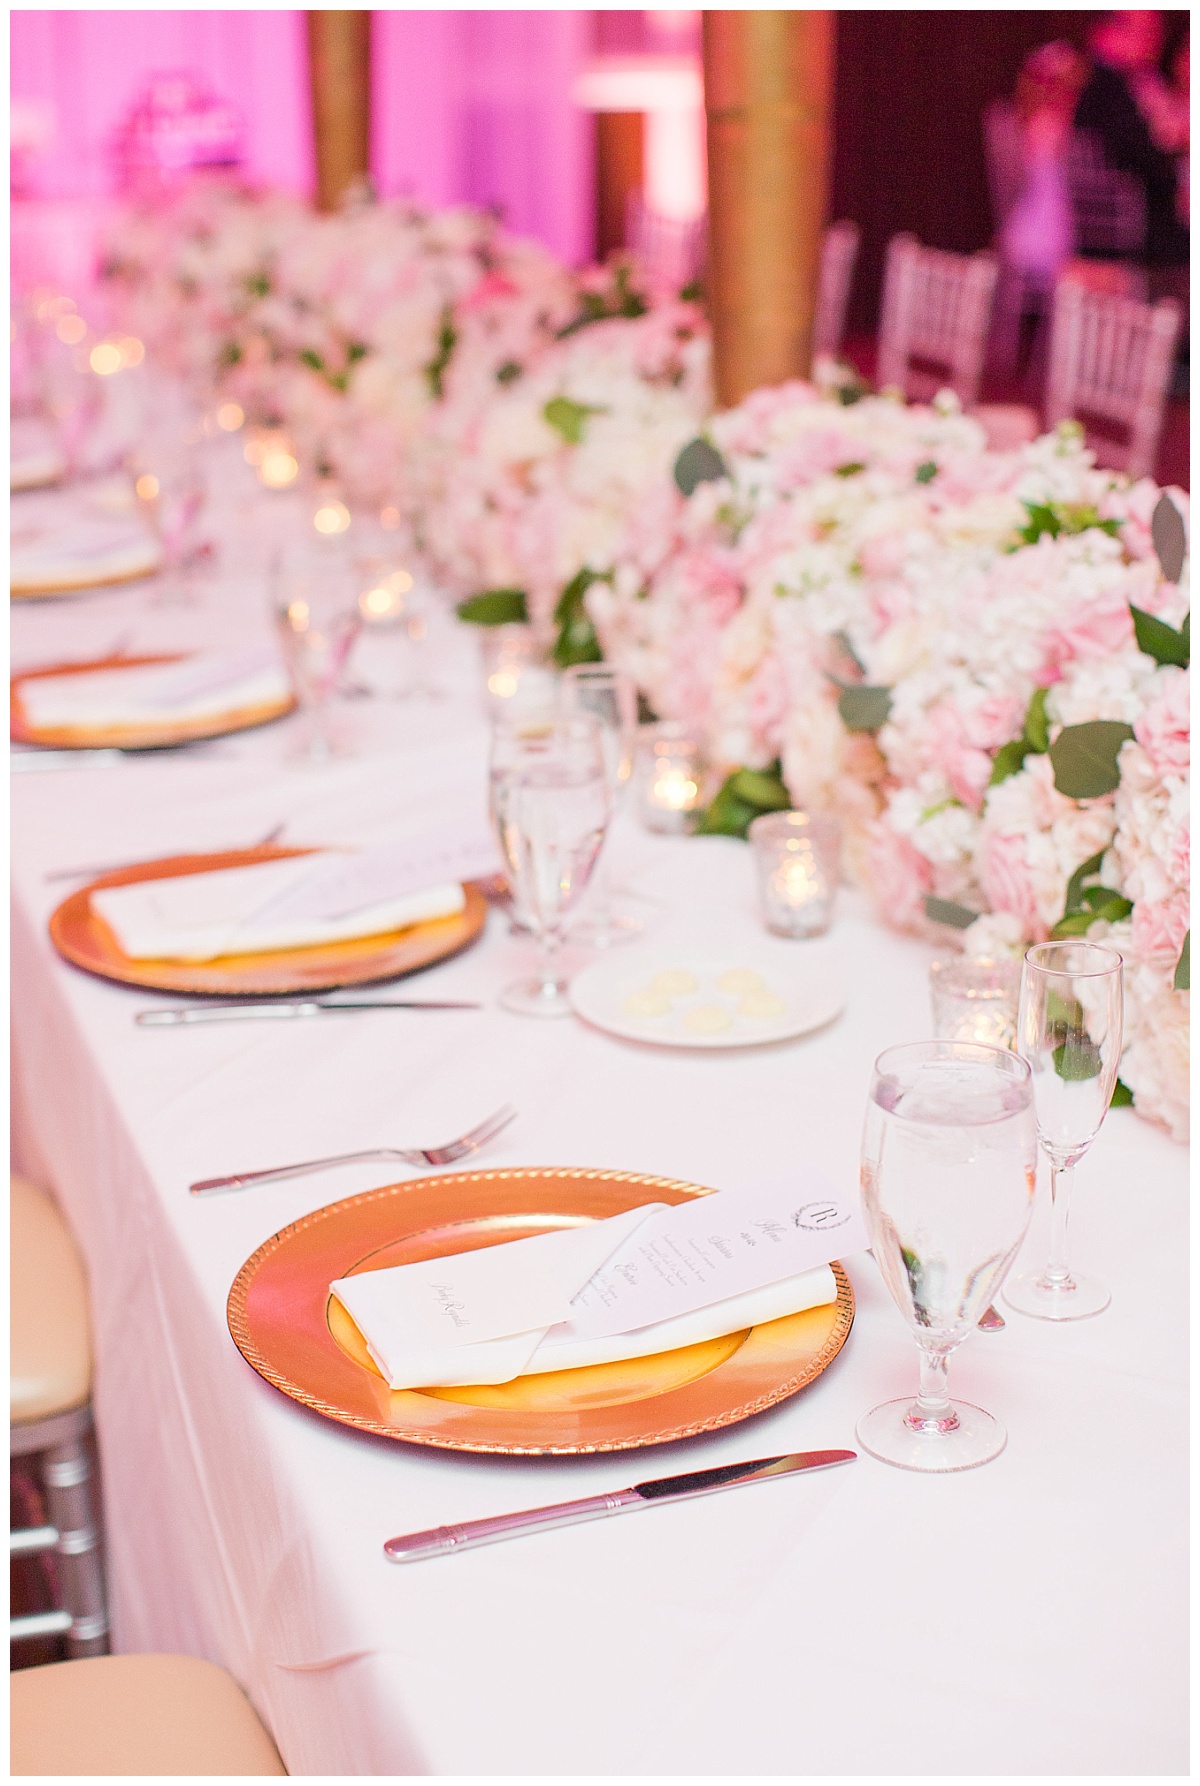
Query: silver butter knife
(416,1546)
(313,1007)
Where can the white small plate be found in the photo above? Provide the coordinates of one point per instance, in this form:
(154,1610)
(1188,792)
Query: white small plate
(735,999)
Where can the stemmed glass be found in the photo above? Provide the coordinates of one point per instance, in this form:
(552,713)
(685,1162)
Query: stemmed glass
(949,1165)
(610,697)
(317,619)
(1069,1030)
(172,482)
(550,805)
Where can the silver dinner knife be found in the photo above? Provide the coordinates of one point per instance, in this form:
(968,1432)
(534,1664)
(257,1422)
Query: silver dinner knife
(313,1007)
(415,1546)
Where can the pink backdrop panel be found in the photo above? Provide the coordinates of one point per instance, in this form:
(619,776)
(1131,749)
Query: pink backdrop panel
(467,105)
(91,66)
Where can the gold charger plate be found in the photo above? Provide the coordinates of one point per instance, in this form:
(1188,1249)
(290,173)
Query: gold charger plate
(82,937)
(130,737)
(298,1336)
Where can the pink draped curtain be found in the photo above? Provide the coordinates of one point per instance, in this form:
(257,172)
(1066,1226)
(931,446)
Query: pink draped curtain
(466,105)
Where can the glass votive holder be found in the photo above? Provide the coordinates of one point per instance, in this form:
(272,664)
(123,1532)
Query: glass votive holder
(516,674)
(975,1000)
(797,860)
(668,777)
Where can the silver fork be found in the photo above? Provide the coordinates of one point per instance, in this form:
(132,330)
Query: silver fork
(445,1155)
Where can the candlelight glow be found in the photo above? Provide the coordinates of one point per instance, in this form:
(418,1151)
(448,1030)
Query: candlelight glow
(147,486)
(131,350)
(277,469)
(70,329)
(230,417)
(331,518)
(105,358)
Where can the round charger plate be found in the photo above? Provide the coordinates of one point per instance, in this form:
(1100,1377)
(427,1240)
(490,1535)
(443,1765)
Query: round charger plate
(153,736)
(83,938)
(298,1336)
(795,995)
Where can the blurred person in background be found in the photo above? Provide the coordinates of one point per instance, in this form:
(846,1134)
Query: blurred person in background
(1125,87)
(1036,238)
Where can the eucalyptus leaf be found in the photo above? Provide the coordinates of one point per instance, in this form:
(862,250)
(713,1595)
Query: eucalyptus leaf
(864,708)
(495,607)
(1183,967)
(842,639)
(1009,760)
(1075,884)
(927,471)
(1122,1096)
(1170,538)
(726,815)
(1085,758)
(698,463)
(1160,641)
(1077,1058)
(576,642)
(946,911)
(1073,924)
(762,789)
(1037,726)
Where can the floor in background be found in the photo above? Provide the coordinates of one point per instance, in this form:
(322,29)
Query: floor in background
(1174,453)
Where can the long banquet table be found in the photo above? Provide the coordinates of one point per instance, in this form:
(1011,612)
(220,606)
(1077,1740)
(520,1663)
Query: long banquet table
(1027,1617)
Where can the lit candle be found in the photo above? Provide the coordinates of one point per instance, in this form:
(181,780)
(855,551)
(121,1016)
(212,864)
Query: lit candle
(797,861)
(670,779)
(975,1000)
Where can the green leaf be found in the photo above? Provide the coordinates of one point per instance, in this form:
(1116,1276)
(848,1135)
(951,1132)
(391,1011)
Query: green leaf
(1073,924)
(1183,967)
(864,708)
(258,285)
(851,469)
(946,911)
(761,788)
(1063,517)
(842,639)
(698,463)
(355,351)
(495,607)
(1160,641)
(1008,760)
(435,371)
(692,293)
(1037,726)
(567,417)
(310,357)
(1042,519)
(1102,902)
(927,471)
(1077,1058)
(1122,1096)
(230,354)
(1081,874)
(508,371)
(1085,758)
(1170,538)
(577,642)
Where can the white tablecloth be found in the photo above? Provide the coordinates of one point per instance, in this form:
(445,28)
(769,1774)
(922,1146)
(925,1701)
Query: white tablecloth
(1027,1617)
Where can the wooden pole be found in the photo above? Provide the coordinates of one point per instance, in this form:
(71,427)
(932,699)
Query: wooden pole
(768,80)
(339,58)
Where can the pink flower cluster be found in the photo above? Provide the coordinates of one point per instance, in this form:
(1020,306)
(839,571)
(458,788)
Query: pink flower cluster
(986,598)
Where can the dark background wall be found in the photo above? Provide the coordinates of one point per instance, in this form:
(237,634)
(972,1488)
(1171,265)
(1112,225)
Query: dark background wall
(911,90)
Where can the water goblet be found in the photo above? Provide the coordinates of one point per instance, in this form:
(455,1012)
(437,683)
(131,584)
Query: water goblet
(317,619)
(610,697)
(550,805)
(949,1165)
(1069,1030)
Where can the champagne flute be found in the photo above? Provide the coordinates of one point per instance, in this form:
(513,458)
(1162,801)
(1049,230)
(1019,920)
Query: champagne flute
(610,697)
(317,619)
(949,1165)
(1069,1030)
(551,806)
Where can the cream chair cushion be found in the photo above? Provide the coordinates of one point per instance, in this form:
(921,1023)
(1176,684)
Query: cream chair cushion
(136,1715)
(50,1367)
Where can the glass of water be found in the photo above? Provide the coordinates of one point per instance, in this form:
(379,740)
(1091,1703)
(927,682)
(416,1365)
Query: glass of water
(949,1164)
(551,806)
(317,619)
(610,697)
(1069,1030)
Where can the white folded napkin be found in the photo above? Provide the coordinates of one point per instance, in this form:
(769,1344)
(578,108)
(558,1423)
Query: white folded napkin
(646,1281)
(292,903)
(200,687)
(75,553)
(35,456)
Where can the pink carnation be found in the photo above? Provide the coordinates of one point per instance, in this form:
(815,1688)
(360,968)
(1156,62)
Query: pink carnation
(1008,885)
(900,878)
(1159,926)
(1164,729)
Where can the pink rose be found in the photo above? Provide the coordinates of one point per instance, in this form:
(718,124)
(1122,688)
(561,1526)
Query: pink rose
(1007,884)
(900,877)
(1164,731)
(1159,926)
(1092,629)
(1179,858)
(967,768)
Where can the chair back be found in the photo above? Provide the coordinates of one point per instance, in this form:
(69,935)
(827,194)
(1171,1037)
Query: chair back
(1110,362)
(1108,205)
(839,251)
(933,330)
